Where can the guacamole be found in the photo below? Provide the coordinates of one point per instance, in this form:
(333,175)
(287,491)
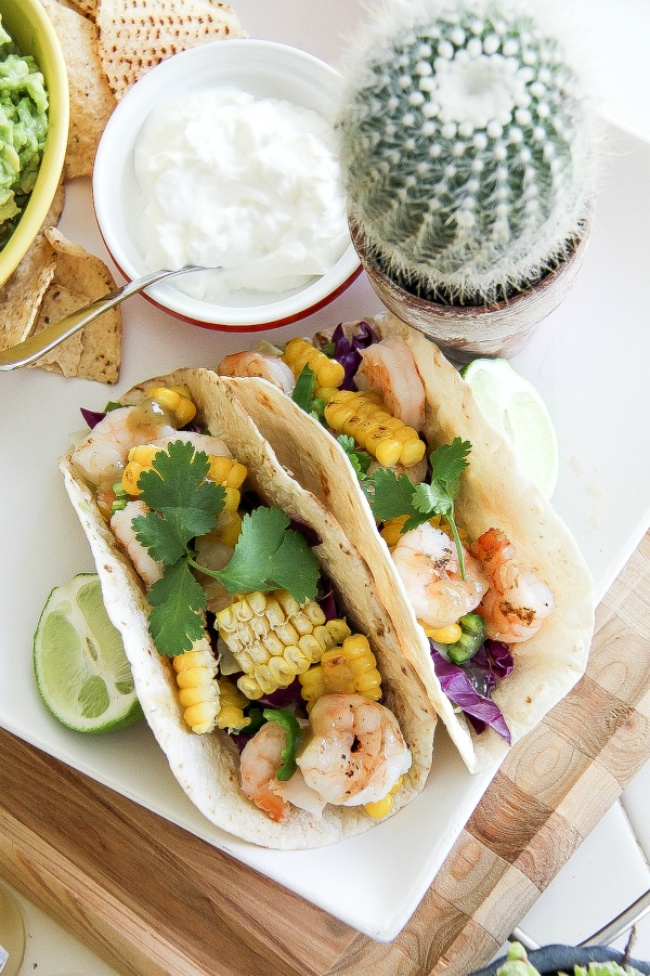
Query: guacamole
(23,131)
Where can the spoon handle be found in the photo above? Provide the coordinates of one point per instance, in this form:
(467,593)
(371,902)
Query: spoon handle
(47,339)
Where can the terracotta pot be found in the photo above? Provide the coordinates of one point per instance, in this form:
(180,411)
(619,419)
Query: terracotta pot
(466,332)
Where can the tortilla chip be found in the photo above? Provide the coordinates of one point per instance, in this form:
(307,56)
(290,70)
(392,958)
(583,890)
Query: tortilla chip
(80,278)
(135,35)
(91,100)
(22,294)
(87,8)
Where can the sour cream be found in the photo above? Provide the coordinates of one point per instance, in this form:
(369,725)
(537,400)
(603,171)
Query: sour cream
(250,185)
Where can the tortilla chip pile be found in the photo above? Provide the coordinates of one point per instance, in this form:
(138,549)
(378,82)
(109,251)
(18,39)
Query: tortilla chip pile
(107,45)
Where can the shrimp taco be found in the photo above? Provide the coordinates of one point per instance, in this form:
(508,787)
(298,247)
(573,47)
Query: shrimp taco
(261,654)
(482,580)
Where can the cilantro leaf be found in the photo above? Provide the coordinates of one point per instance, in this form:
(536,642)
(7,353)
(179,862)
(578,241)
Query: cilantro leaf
(392,496)
(448,463)
(176,487)
(159,536)
(358,458)
(178,602)
(269,555)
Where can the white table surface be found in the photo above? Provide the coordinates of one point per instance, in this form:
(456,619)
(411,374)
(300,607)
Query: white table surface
(612,867)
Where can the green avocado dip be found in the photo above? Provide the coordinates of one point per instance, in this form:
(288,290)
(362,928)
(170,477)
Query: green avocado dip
(23,131)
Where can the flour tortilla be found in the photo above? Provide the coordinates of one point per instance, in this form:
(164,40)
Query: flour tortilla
(496,493)
(206,766)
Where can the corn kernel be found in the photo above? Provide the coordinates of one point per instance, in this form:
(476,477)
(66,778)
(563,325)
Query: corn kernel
(300,353)
(392,530)
(176,400)
(444,635)
(413,450)
(201,718)
(220,465)
(388,452)
(228,528)
(191,678)
(380,808)
(325,393)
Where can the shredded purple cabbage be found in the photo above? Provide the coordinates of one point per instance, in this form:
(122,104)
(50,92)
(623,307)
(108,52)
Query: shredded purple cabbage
(282,697)
(326,599)
(92,417)
(348,351)
(470,686)
(310,535)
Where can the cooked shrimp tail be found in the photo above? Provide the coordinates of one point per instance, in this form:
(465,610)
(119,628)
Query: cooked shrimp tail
(517,601)
(261,365)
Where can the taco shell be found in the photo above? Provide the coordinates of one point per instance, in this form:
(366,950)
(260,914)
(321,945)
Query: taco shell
(496,492)
(206,766)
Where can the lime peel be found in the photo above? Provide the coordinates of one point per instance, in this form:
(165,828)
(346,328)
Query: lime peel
(514,407)
(82,672)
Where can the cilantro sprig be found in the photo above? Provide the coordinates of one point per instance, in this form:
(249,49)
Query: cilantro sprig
(392,496)
(184,506)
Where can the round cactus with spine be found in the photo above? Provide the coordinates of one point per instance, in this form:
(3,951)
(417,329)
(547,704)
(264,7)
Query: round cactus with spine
(467,146)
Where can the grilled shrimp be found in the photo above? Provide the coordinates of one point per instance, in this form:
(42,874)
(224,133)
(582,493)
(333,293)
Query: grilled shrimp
(355,753)
(102,455)
(427,562)
(260,760)
(517,601)
(148,569)
(389,367)
(270,368)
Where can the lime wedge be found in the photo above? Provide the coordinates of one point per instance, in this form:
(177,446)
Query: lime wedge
(82,673)
(515,407)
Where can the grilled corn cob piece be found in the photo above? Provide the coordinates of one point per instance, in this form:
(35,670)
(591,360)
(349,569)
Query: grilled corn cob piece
(231,715)
(274,638)
(176,400)
(363,416)
(198,688)
(300,353)
(350,669)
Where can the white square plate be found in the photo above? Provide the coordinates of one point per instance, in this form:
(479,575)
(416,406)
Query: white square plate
(590,361)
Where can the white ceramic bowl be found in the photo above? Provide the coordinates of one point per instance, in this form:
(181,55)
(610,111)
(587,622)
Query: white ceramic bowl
(265,69)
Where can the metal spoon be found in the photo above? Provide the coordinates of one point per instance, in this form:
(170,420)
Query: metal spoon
(37,345)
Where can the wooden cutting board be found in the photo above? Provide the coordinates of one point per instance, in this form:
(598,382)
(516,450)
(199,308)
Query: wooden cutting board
(151,898)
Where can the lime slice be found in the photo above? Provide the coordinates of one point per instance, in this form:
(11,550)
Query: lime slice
(514,406)
(82,673)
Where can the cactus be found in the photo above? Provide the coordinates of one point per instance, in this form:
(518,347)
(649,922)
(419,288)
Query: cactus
(467,148)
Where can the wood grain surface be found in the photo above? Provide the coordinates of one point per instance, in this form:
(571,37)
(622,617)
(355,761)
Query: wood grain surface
(152,899)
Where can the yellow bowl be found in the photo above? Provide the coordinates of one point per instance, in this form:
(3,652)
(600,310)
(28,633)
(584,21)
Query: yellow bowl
(32,30)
